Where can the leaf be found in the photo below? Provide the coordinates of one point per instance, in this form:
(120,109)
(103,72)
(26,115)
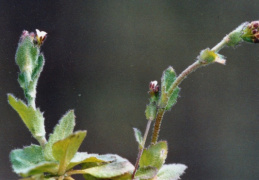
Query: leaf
(168,98)
(32,118)
(110,170)
(119,169)
(83,157)
(173,99)
(138,137)
(38,67)
(146,172)
(65,149)
(61,131)
(30,161)
(168,77)
(154,155)
(171,171)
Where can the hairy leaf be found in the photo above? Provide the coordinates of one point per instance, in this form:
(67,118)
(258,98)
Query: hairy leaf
(171,171)
(61,131)
(154,155)
(30,161)
(65,149)
(32,118)
(110,170)
(146,172)
(173,99)
(83,157)
(138,137)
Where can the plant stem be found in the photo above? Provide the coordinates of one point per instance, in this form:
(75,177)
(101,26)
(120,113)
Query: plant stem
(159,117)
(42,140)
(141,149)
(197,64)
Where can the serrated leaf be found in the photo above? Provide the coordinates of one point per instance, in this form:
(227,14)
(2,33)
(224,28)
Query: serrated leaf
(62,130)
(83,157)
(171,171)
(154,155)
(65,149)
(146,172)
(138,137)
(110,170)
(32,118)
(173,99)
(30,161)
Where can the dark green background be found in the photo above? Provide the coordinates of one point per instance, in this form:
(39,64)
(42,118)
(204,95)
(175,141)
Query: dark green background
(100,58)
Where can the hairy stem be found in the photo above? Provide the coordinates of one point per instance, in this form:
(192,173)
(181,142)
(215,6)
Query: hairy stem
(159,117)
(42,140)
(197,64)
(142,148)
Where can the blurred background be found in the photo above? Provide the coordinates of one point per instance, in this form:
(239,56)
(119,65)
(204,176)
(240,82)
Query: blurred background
(100,58)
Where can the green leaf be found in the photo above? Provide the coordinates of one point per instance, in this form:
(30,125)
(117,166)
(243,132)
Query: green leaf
(171,171)
(83,157)
(146,172)
(173,99)
(38,67)
(32,118)
(151,110)
(110,170)
(65,149)
(138,137)
(154,155)
(30,161)
(168,77)
(119,169)
(61,131)
(26,54)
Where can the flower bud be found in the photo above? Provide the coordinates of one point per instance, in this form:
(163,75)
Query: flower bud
(251,32)
(40,36)
(153,87)
(208,56)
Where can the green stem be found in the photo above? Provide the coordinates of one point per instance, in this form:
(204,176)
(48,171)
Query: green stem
(141,149)
(42,140)
(197,64)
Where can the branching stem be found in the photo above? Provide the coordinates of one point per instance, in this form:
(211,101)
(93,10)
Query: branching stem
(197,64)
(141,149)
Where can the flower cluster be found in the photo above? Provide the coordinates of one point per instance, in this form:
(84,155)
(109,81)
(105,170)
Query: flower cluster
(251,32)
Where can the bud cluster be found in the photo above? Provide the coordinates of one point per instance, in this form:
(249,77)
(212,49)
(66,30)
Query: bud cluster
(251,32)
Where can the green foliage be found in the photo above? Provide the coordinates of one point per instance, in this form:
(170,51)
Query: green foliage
(235,37)
(151,111)
(207,56)
(173,99)
(167,100)
(65,149)
(154,155)
(30,161)
(147,172)
(171,171)
(138,137)
(32,118)
(87,159)
(109,170)
(61,131)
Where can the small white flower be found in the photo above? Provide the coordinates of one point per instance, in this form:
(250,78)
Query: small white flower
(153,83)
(153,86)
(40,36)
